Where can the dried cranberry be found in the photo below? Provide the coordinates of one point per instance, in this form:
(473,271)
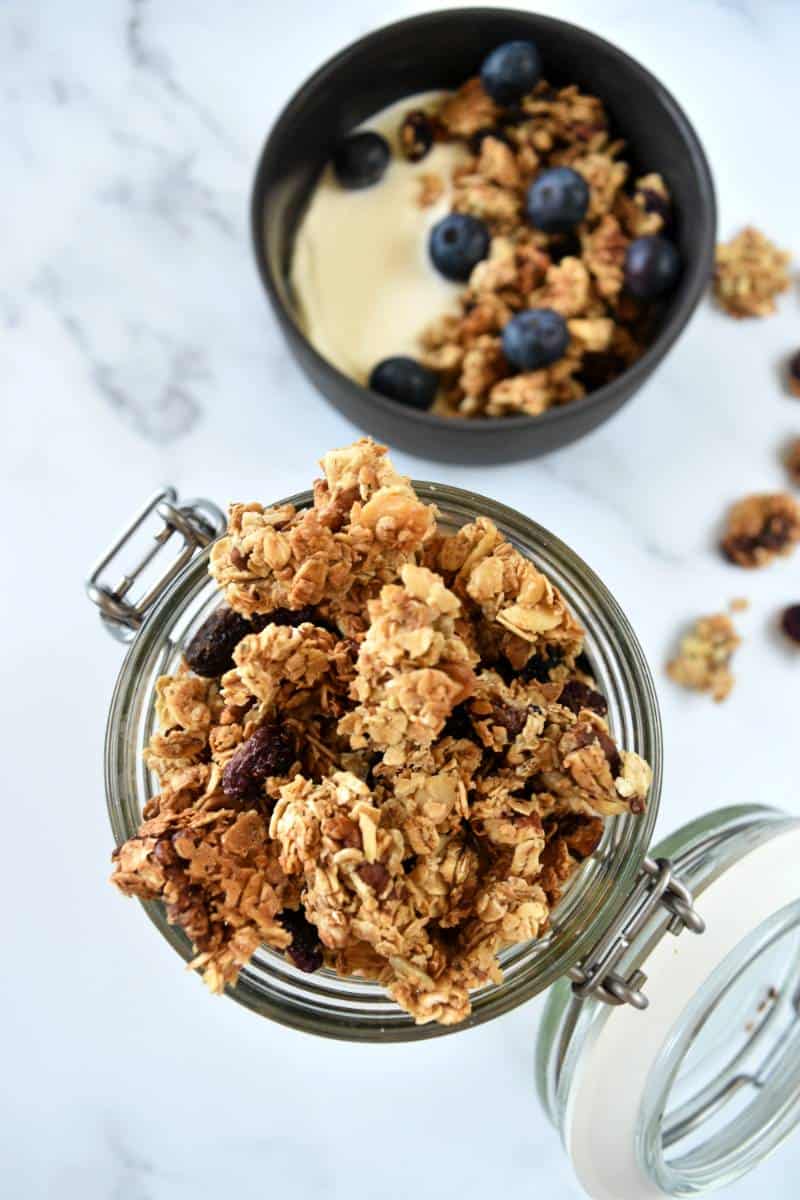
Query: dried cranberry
(210,652)
(306,948)
(790,622)
(459,724)
(416,135)
(611,752)
(270,751)
(374,875)
(539,666)
(511,719)
(576,695)
(287,616)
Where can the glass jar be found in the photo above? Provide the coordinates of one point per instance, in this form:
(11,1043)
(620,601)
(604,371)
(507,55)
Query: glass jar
(614,916)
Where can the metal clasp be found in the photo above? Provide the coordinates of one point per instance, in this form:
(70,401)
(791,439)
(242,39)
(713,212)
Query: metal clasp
(656,888)
(197,523)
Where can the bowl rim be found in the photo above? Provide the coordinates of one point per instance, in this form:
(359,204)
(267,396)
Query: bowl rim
(698,272)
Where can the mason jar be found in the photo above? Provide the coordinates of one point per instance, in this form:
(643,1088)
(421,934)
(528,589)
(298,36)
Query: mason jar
(672,1090)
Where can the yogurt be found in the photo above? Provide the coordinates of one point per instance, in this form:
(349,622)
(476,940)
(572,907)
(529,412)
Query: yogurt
(363,283)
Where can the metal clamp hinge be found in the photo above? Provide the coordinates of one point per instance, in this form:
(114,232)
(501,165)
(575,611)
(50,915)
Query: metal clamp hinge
(196,523)
(656,888)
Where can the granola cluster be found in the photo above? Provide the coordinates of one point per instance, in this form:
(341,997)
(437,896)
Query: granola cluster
(391,755)
(703,659)
(761,527)
(750,272)
(579,275)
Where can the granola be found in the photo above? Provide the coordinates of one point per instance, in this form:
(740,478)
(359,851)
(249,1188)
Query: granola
(761,527)
(579,275)
(703,659)
(750,272)
(401,762)
(792,460)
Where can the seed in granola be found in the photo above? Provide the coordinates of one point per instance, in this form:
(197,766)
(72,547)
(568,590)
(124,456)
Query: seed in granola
(270,751)
(535,338)
(511,70)
(790,622)
(416,134)
(405,380)
(794,373)
(652,267)
(361,159)
(457,244)
(557,200)
(210,652)
(306,948)
(374,875)
(576,695)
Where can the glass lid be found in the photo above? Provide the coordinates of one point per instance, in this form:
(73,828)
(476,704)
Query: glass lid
(690,1094)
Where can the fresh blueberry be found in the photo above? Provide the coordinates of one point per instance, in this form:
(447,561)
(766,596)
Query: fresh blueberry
(405,380)
(534,338)
(457,243)
(511,71)
(652,267)
(361,159)
(558,200)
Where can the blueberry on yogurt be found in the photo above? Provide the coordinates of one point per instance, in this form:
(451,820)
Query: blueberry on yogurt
(405,380)
(535,338)
(361,159)
(458,243)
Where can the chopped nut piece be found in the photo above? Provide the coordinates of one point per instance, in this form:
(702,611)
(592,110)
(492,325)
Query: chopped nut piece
(703,660)
(761,527)
(431,188)
(396,783)
(750,272)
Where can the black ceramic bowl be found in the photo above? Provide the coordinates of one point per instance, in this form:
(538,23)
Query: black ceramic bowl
(441,50)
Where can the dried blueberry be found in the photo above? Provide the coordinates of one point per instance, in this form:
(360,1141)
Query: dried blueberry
(790,622)
(535,338)
(511,70)
(576,695)
(270,751)
(210,652)
(306,948)
(361,159)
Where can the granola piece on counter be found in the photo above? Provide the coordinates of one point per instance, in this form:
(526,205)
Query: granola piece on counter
(704,656)
(794,374)
(760,527)
(750,272)
(792,460)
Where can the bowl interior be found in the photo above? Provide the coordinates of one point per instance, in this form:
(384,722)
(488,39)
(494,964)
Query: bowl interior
(441,50)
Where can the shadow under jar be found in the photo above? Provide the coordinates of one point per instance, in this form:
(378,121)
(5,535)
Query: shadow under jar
(442,50)
(677,1100)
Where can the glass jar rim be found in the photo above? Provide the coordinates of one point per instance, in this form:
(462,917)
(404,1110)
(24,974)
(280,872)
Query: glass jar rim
(328,1006)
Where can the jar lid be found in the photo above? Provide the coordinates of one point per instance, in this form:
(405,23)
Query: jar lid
(694,1091)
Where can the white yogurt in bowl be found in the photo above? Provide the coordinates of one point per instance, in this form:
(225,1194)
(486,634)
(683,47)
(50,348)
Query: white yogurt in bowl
(363,283)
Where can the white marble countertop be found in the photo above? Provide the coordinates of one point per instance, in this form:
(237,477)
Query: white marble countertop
(137,348)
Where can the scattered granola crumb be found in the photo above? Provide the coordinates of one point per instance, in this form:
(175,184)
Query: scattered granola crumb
(431,187)
(750,272)
(399,764)
(761,527)
(739,604)
(703,659)
(790,622)
(792,461)
(794,374)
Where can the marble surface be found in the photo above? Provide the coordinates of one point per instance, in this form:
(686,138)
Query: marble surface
(137,348)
